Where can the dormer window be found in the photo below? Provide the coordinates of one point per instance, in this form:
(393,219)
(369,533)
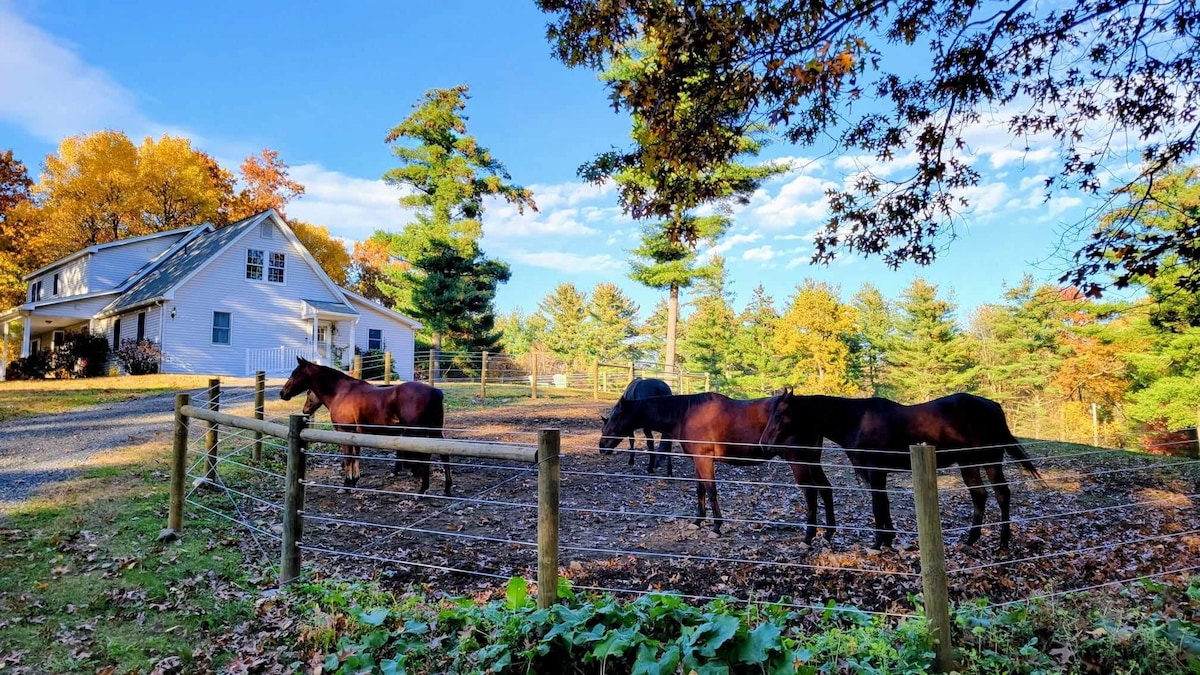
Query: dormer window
(35,291)
(57,288)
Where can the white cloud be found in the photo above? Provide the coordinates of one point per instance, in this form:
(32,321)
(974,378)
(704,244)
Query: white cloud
(726,244)
(761,253)
(350,207)
(987,198)
(569,263)
(503,221)
(50,92)
(1060,204)
(801,200)
(549,197)
(1031,182)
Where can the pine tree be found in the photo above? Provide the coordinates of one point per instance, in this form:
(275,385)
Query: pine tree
(611,324)
(874,332)
(564,311)
(930,356)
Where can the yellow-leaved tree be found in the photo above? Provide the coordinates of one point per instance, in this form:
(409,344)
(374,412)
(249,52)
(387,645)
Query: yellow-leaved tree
(813,337)
(178,184)
(330,253)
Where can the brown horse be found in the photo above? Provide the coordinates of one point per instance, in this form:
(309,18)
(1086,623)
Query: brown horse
(357,406)
(715,428)
(876,434)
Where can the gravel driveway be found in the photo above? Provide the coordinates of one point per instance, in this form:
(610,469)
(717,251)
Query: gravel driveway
(48,448)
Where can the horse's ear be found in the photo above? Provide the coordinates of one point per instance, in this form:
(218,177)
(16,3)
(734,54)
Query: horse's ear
(299,360)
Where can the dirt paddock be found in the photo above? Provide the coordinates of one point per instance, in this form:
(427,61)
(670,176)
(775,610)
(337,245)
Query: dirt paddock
(624,530)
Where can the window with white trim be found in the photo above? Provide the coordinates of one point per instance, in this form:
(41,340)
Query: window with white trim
(57,288)
(254,264)
(375,339)
(275,271)
(116,334)
(58,337)
(222,328)
(35,291)
(141,329)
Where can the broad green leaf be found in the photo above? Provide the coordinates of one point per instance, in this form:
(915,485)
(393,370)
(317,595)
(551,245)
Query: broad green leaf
(518,592)
(392,667)
(650,662)
(375,617)
(715,633)
(759,643)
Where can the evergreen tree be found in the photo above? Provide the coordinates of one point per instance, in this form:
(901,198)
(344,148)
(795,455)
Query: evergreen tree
(874,332)
(1020,342)
(754,346)
(564,311)
(448,174)
(930,356)
(611,324)
(707,344)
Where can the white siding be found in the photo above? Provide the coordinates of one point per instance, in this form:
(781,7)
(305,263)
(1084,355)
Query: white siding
(129,324)
(397,336)
(84,309)
(112,266)
(72,280)
(264,314)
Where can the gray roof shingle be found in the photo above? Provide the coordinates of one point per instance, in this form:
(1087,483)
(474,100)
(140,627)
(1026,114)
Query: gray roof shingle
(182,263)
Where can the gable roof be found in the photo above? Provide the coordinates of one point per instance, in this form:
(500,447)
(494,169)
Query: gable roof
(367,303)
(112,244)
(182,265)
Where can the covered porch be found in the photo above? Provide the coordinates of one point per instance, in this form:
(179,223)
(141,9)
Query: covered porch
(330,340)
(26,330)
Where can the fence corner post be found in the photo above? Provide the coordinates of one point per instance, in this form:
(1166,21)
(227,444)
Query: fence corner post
(178,464)
(534,375)
(260,388)
(933,553)
(213,394)
(356,368)
(547,537)
(387,367)
(293,502)
(596,380)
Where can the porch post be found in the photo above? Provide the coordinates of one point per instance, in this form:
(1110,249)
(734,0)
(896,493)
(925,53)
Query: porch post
(28,325)
(312,342)
(4,359)
(350,344)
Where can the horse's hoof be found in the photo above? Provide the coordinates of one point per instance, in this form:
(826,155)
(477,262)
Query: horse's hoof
(694,525)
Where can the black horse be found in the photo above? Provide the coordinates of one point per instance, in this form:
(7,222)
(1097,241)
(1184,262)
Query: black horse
(876,433)
(639,388)
(712,428)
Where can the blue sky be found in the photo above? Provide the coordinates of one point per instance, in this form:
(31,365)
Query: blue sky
(323,85)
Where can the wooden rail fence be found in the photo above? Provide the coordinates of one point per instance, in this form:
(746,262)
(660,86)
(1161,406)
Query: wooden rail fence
(545,455)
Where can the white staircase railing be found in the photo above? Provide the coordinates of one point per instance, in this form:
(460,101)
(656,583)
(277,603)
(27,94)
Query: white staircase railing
(278,360)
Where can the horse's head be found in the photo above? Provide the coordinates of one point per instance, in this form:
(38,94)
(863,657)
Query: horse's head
(311,403)
(618,425)
(300,380)
(783,426)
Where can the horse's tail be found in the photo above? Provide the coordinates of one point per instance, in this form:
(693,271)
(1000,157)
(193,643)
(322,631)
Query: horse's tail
(1017,452)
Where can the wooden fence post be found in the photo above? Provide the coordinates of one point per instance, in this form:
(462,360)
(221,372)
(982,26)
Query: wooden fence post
(387,367)
(547,537)
(533,376)
(210,436)
(1198,431)
(432,360)
(933,553)
(356,369)
(178,464)
(293,502)
(631,373)
(596,380)
(483,376)
(260,388)
(707,382)
(1095,425)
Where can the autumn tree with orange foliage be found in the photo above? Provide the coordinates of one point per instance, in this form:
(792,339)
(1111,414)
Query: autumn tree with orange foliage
(330,253)
(267,186)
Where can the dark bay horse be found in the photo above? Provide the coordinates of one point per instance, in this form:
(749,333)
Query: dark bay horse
(715,428)
(876,433)
(358,406)
(639,388)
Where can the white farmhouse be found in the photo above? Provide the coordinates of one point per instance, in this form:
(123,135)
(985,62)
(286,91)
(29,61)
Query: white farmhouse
(225,301)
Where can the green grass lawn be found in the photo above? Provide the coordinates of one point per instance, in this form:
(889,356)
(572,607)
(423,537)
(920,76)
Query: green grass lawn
(29,398)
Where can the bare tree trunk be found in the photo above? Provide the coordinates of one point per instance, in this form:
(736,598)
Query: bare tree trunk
(436,346)
(672,321)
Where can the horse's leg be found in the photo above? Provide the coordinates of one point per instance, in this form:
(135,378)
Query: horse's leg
(349,465)
(653,463)
(881,508)
(632,446)
(447,482)
(974,483)
(716,508)
(664,449)
(824,488)
(704,474)
(995,474)
(803,473)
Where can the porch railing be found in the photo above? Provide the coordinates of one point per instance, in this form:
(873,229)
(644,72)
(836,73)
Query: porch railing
(275,360)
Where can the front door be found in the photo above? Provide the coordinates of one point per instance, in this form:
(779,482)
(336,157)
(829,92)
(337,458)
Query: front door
(323,330)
